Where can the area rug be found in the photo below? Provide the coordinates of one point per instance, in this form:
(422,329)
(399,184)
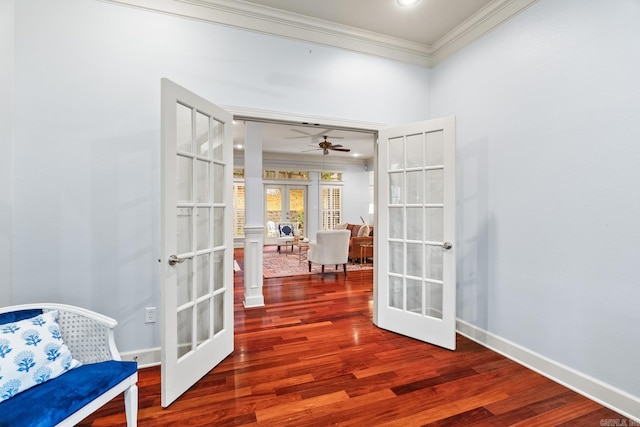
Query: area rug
(287,264)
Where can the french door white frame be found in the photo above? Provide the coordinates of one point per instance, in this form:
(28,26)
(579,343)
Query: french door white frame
(196,269)
(285,204)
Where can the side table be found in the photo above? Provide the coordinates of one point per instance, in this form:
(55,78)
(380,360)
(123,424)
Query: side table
(363,252)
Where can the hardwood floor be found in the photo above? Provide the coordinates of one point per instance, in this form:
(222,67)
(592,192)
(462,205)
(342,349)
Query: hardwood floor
(312,357)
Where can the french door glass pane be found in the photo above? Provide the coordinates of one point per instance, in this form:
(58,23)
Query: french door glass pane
(395,223)
(185,331)
(184,228)
(396,293)
(296,207)
(414,151)
(434,223)
(396,153)
(203,228)
(218,183)
(433,263)
(217,139)
(202,135)
(203,274)
(218,227)
(273,209)
(183,128)
(396,250)
(414,187)
(435,148)
(218,270)
(184,281)
(414,223)
(414,259)
(218,309)
(396,188)
(434,184)
(184,179)
(433,301)
(414,296)
(202,181)
(204,320)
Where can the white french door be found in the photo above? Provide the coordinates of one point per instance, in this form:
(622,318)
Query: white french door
(197,238)
(415,255)
(284,203)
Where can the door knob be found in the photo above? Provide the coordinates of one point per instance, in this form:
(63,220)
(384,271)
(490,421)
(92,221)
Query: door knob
(447,245)
(173,260)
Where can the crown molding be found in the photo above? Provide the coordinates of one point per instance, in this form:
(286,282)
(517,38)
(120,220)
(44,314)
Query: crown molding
(262,19)
(483,22)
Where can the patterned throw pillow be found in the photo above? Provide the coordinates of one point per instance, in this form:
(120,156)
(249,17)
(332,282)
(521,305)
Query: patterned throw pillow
(286,230)
(32,352)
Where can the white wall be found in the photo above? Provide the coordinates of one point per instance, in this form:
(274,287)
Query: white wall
(87,134)
(356,196)
(6,146)
(548,146)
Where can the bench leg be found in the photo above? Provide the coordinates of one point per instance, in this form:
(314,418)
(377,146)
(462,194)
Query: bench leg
(131,405)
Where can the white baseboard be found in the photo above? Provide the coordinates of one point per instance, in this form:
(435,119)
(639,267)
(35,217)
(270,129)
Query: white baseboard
(596,390)
(145,357)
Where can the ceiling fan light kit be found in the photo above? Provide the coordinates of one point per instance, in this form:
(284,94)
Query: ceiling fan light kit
(325,146)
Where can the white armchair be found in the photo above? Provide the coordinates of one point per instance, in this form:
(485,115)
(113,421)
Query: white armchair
(286,232)
(330,248)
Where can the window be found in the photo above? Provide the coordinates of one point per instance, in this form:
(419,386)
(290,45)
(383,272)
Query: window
(286,175)
(238,209)
(331,176)
(331,213)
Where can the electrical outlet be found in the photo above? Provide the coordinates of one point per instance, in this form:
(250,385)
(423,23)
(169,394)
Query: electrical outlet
(150,315)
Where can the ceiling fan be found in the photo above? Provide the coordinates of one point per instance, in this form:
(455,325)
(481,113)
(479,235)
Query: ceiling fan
(325,146)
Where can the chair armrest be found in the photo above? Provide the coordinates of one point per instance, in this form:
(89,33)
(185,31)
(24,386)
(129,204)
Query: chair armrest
(89,335)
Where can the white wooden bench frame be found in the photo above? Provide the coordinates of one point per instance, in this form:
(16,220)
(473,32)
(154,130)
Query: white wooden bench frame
(75,323)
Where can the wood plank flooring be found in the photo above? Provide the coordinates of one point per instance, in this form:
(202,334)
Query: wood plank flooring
(312,357)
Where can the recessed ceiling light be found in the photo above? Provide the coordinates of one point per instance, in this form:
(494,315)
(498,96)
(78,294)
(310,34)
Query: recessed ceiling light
(406,2)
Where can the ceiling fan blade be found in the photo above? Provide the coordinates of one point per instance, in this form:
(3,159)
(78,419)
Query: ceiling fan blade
(313,149)
(301,131)
(337,145)
(344,150)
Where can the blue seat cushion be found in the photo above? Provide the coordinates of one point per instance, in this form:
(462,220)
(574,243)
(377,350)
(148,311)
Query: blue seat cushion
(49,403)
(16,316)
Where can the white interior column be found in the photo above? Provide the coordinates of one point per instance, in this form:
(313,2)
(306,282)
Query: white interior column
(254,216)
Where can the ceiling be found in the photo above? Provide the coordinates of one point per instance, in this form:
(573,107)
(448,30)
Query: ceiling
(298,141)
(425,22)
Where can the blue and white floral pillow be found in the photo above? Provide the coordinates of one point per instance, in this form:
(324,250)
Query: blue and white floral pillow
(32,352)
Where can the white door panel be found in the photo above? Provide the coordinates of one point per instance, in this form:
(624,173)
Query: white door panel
(416,283)
(197,289)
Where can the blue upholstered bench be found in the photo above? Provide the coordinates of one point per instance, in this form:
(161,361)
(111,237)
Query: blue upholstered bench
(69,398)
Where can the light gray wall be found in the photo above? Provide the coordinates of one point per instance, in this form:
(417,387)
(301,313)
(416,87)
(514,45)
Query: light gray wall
(86,172)
(548,146)
(6,147)
(356,196)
